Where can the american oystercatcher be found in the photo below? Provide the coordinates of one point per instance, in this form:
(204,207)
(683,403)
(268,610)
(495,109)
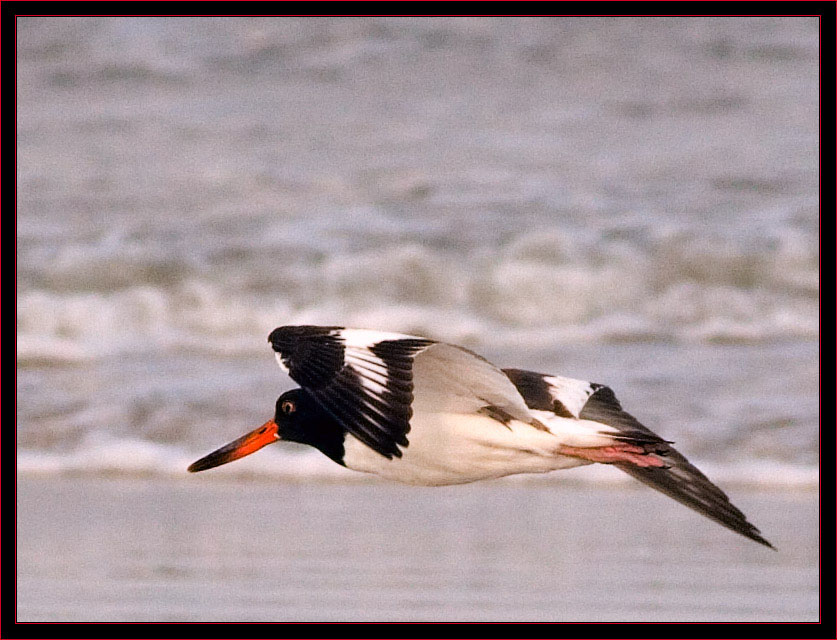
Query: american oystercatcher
(425,412)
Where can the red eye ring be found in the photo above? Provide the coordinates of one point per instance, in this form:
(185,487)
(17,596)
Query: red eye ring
(288,407)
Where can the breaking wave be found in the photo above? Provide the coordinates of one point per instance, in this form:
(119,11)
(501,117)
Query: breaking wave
(539,287)
(110,456)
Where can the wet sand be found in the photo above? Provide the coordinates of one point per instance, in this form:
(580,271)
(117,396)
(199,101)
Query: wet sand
(210,549)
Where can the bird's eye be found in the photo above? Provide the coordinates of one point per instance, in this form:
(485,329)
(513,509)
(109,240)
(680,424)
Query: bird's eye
(288,407)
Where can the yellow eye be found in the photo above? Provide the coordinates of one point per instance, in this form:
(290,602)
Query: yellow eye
(288,407)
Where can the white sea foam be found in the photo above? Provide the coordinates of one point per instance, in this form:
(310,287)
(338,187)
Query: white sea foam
(106,455)
(539,283)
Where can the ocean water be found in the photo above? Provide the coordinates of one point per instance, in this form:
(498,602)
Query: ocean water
(632,201)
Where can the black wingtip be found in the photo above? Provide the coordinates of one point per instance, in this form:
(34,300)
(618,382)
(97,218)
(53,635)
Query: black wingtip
(686,484)
(757,538)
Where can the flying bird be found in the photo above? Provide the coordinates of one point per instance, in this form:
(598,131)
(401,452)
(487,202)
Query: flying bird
(425,412)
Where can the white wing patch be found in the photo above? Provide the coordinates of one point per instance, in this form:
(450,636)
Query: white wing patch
(365,338)
(282,365)
(571,393)
(370,368)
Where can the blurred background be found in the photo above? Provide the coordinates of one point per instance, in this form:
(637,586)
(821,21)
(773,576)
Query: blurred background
(632,201)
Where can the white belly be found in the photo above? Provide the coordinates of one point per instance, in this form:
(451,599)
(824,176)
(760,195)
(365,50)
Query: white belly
(455,449)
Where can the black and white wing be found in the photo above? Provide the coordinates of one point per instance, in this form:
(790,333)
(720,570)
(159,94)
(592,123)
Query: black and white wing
(681,480)
(364,379)
(371,382)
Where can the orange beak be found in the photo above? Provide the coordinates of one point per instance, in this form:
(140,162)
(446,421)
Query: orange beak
(266,434)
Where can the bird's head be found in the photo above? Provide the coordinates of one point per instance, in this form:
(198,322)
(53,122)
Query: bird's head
(295,419)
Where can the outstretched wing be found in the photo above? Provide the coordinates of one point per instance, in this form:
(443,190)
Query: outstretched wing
(681,480)
(371,382)
(364,379)
(450,379)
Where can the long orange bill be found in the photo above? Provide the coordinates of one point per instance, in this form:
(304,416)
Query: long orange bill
(244,446)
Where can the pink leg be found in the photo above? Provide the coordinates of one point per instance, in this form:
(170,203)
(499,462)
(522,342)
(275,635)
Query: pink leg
(614,453)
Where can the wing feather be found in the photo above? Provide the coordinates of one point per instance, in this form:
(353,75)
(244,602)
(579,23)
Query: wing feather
(451,379)
(364,379)
(679,479)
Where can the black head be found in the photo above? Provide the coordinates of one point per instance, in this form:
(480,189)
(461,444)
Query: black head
(300,418)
